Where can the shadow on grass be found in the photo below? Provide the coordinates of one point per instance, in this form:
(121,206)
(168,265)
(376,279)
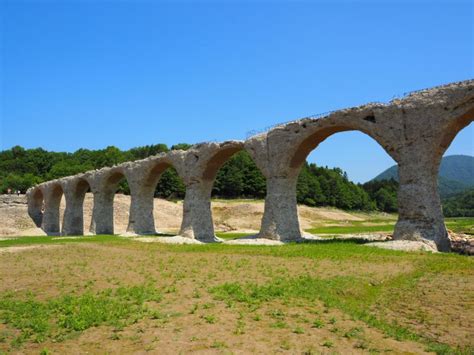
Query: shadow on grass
(335,241)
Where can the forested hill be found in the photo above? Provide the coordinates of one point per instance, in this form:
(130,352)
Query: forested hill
(456,174)
(239,178)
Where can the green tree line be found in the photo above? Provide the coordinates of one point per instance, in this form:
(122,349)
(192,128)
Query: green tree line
(460,205)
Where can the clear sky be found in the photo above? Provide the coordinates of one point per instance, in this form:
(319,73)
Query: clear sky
(129,73)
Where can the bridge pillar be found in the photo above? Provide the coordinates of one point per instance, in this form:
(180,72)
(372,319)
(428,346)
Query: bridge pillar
(73,221)
(197,216)
(280,217)
(272,156)
(103,212)
(141,209)
(420,216)
(198,168)
(52,199)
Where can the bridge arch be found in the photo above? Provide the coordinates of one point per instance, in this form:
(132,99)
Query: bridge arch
(369,120)
(53,193)
(214,165)
(453,128)
(282,151)
(104,184)
(75,190)
(36,205)
(144,177)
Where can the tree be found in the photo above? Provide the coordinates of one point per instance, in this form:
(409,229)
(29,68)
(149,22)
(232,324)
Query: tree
(170,185)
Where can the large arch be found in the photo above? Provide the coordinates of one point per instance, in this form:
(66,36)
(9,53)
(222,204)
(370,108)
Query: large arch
(211,171)
(52,192)
(352,155)
(143,177)
(36,205)
(198,167)
(281,152)
(104,184)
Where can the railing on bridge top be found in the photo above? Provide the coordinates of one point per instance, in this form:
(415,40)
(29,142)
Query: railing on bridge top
(256,132)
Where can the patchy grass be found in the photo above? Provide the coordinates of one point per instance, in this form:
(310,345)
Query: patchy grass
(38,321)
(350,294)
(114,293)
(232,235)
(351,229)
(15,241)
(460,224)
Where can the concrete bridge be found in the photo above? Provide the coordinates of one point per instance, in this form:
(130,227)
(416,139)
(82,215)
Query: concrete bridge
(415,131)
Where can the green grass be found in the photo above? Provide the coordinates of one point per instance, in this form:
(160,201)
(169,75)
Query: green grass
(460,224)
(351,294)
(59,317)
(354,295)
(53,240)
(351,229)
(231,235)
(456,224)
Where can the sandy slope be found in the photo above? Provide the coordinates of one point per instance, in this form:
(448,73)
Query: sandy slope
(238,215)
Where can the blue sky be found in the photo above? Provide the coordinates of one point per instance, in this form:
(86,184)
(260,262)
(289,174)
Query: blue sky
(129,73)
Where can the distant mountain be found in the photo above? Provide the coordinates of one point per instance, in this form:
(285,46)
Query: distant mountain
(456,174)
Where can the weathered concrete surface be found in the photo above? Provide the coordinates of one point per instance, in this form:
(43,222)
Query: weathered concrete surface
(198,168)
(74,189)
(48,214)
(415,131)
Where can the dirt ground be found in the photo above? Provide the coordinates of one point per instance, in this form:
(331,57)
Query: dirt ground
(195,321)
(241,215)
(48,273)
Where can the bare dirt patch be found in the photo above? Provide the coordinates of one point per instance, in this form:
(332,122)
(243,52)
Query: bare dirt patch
(19,249)
(440,306)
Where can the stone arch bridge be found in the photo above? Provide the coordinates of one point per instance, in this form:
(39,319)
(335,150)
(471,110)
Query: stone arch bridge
(414,130)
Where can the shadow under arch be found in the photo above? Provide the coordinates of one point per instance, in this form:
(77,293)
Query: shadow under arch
(53,194)
(36,206)
(73,221)
(103,216)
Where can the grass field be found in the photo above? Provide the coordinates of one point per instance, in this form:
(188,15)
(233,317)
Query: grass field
(459,225)
(328,297)
(106,294)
